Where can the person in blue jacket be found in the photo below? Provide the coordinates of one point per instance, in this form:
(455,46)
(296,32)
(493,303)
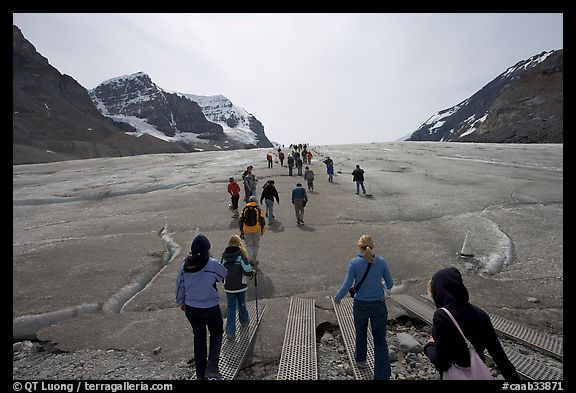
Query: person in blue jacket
(198,297)
(299,200)
(369,305)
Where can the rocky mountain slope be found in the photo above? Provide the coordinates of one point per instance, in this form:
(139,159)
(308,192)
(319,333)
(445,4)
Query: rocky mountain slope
(56,119)
(524,104)
(237,123)
(206,123)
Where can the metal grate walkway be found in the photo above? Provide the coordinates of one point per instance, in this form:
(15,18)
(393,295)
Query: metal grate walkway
(527,367)
(298,359)
(345,317)
(233,352)
(546,343)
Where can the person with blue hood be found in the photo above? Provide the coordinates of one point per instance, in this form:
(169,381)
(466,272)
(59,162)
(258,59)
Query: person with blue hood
(447,346)
(198,297)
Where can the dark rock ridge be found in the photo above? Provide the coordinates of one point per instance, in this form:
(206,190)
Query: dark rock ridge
(258,129)
(137,96)
(524,104)
(54,119)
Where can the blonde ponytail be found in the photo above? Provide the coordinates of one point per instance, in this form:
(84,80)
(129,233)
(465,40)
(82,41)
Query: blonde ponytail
(366,244)
(235,240)
(368,255)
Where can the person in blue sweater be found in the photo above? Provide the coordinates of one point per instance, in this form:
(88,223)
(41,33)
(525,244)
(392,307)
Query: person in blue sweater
(299,200)
(369,305)
(197,295)
(235,260)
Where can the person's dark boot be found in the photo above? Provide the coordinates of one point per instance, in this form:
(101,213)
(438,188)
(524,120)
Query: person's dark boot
(213,374)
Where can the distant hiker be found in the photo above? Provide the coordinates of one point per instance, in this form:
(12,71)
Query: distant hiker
(299,165)
(252,226)
(268,194)
(252,182)
(247,190)
(198,297)
(305,156)
(299,200)
(329,169)
(359,179)
(369,305)
(234,191)
(281,157)
(446,347)
(269,158)
(309,177)
(309,156)
(235,260)
(290,164)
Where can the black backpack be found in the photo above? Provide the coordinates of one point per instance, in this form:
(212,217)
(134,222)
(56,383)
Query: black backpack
(250,215)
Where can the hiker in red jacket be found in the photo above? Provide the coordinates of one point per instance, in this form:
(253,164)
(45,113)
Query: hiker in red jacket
(269,158)
(234,191)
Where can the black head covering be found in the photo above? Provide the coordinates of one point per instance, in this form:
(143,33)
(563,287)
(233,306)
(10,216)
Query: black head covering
(200,246)
(448,288)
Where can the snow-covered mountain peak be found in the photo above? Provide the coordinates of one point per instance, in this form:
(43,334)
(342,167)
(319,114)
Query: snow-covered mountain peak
(136,100)
(235,121)
(138,77)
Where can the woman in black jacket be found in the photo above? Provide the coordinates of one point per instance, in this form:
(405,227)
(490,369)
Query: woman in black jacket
(235,260)
(446,346)
(269,192)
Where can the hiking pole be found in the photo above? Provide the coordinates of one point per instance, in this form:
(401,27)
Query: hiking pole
(256,293)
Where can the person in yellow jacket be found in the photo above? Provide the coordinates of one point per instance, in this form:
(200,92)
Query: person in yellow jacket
(252,227)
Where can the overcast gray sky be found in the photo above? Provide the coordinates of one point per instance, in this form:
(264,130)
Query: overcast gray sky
(321,78)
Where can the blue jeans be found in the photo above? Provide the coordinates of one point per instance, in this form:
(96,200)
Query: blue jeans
(270,207)
(358,185)
(233,298)
(377,313)
(200,318)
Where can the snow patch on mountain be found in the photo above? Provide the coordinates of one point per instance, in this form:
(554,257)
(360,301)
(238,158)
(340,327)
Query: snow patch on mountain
(143,127)
(525,64)
(122,80)
(234,120)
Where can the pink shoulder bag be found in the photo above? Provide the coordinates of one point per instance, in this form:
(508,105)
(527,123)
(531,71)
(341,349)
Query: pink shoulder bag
(477,369)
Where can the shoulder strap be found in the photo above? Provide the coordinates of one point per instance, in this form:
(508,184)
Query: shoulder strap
(457,326)
(357,286)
